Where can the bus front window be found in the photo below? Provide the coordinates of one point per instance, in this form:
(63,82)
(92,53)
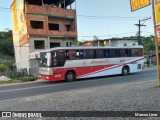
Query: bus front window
(45,60)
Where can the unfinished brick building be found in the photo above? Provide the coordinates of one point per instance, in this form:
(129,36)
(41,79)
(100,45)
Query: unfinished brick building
(42,24)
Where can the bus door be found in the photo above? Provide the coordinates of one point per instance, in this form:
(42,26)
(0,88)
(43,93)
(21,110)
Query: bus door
(58,58)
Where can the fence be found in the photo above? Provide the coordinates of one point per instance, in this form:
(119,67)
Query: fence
(14,73)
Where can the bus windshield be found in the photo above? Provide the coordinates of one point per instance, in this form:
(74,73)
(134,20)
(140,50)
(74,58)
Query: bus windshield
(45,59)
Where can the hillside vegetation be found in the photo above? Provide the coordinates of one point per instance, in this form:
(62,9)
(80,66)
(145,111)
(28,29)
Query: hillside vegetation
(6,47)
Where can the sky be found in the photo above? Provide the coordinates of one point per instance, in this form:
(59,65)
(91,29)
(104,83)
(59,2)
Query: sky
(101,18)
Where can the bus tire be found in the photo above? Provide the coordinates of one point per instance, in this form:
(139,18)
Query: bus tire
(70,76)
(125,71)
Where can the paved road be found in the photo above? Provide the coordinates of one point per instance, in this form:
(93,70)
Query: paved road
(11,92)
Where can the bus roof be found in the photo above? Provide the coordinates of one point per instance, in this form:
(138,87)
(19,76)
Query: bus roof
(91,47)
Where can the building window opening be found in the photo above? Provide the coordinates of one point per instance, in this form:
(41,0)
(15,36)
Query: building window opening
(34,2)
(53,45)
(68,28)
(39,44)
(66,44)
(133,44)
(37,24)
(125,44)
(50,2)
(53,26)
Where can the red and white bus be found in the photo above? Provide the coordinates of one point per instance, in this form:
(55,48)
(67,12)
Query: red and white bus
(71,63)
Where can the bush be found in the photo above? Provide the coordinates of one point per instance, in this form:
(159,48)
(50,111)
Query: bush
(27,78)
(3,68)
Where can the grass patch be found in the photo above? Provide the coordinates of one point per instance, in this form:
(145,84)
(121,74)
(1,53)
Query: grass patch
(19,80)
(10,81)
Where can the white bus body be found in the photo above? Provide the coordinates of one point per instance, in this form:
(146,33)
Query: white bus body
(70,63)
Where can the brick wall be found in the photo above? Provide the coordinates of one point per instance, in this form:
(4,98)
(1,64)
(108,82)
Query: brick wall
(40,13)
(49,10)
(35,9)
(61,12)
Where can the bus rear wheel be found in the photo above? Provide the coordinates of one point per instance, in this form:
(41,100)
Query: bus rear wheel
(125,71)
(70,76)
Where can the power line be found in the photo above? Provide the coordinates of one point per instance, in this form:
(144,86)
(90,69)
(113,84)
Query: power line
(9,9)
(86,16)
(106,17)
(148,32)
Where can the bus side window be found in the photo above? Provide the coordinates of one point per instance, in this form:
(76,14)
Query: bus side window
(130,53)
(78,54)
(104,53)
(127,52)
(87,54)
(118,53)
(123,52)
(72,54)
(99,53)
(112,53)
(140,52)
(135,52)
(82,54)
(92,54)
(107,53)
(67,55)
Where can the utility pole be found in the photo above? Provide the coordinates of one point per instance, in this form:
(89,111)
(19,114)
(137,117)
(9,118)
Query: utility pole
(156,41)
(139,29)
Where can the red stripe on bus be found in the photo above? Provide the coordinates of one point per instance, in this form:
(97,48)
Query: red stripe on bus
(114,66)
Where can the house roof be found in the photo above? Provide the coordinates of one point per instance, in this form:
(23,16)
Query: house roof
(135,39)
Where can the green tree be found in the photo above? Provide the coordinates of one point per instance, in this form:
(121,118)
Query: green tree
(6,48)
(6,43)
(150,46)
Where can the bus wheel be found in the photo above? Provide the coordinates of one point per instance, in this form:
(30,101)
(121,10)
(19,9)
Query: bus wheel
(70,76)
(125,71)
